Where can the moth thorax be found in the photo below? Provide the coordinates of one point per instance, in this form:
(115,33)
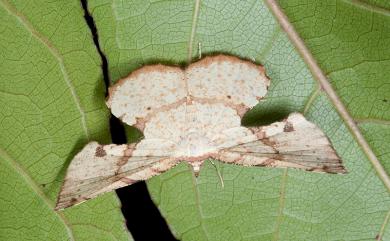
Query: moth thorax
(197,144)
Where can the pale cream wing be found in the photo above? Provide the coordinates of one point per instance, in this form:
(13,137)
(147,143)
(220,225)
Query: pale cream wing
(98,169)
(146,91)
(295,143)
(228,79)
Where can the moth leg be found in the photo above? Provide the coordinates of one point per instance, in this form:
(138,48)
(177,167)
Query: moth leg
(218,173)
(294,142)
(98,169)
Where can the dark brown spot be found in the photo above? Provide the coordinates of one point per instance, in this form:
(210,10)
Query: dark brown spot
(329,169)
(268,162)
(100,152)
(73,200)
(149,108)
(229,97)
(156,170)
(288,127)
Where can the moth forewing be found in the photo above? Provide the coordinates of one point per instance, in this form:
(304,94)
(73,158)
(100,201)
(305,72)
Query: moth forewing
(98,169)
(295,143)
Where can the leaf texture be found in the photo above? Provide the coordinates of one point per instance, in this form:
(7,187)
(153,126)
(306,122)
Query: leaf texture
(52,103)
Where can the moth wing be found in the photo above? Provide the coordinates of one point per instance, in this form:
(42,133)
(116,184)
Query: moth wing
(295,143)
(164,86)
(98,169)
(228,79)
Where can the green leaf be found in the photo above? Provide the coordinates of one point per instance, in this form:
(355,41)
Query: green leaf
(52,103)
(350,40)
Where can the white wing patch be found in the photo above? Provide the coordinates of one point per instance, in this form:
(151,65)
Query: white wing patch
(192,115)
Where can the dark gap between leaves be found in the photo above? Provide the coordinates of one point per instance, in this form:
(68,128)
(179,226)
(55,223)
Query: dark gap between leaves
(143,219)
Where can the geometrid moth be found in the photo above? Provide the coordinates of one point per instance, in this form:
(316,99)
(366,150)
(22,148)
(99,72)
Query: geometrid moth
(192,115)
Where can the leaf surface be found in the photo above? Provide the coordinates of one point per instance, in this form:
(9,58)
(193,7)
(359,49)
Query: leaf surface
(350,41)
(52,103)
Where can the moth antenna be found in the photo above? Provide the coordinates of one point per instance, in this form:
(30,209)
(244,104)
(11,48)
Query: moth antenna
(218,173)
(200,50)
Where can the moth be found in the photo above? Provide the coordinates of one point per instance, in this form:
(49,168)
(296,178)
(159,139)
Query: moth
(191,115)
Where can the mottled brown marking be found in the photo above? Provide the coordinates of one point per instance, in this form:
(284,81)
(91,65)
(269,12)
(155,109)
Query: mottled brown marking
(129,151)
(122,161)
(100,152)
(268,142)
(140,123)
(288,127)
(278,156)
(268,162)
(156,170)
(260,134)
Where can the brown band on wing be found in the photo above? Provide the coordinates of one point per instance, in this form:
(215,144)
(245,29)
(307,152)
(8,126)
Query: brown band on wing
(294,142)
(90,175)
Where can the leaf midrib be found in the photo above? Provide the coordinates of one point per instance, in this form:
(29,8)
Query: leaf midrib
(29,27)
(327,88)
(34,186)
(368,7)
(4,155)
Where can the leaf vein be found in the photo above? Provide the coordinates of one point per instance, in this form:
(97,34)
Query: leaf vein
(383,227)
(328,89)
(281,204)
(193,30)
(368,7)
(34,186)
(28,26)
